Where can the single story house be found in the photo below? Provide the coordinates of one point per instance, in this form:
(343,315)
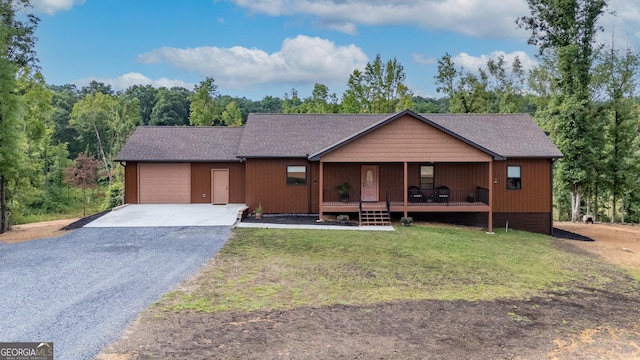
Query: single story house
(475,169)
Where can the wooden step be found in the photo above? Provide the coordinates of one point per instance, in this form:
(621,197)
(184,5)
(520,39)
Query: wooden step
(374,218)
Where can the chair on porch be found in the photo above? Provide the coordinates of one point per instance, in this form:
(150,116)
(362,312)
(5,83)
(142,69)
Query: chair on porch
(415,195)
(442,194)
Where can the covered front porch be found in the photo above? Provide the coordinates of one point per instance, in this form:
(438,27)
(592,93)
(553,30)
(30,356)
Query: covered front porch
(406,187)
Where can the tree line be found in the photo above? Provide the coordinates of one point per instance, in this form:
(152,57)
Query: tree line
(581,93)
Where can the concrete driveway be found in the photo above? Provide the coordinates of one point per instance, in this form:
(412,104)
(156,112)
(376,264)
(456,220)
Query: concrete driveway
(82,289)
(143,215)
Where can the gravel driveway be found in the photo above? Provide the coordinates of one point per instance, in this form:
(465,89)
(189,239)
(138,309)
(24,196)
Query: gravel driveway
(82,289)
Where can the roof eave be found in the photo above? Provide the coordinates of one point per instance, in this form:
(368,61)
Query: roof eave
(178,160)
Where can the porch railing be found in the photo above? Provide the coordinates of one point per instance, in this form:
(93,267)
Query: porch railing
(333,197)
(439,197)
(443,197)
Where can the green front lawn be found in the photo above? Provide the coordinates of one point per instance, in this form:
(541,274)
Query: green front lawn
(262,269)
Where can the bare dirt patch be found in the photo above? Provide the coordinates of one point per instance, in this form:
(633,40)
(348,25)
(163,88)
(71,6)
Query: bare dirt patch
(583,323)
(34,231)
(618,244)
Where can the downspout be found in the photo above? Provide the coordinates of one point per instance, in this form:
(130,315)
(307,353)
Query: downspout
(491,185)
(320,190)
(309,186)
(553,161)
(124,186)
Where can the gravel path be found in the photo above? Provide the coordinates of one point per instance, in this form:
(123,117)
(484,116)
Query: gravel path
(82,289)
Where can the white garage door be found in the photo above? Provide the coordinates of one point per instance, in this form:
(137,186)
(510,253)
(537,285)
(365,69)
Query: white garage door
(164,183)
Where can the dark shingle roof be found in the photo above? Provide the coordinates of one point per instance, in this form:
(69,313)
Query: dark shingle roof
(287,135)
(305,135)
(182,143)
(510,135)
(298,135)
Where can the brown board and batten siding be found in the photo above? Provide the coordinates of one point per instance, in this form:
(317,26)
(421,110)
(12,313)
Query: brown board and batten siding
(390,178)
(266,181)
(455,176)
(406,139)
(131,182)
(529,208)
(201,181)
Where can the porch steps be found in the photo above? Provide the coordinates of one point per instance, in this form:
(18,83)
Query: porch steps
(374,217)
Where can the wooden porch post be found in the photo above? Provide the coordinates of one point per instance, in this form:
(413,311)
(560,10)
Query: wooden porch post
(491,185)
(321,190)
(404,190)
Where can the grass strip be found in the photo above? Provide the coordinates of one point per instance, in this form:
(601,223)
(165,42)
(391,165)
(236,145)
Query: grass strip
(265,269)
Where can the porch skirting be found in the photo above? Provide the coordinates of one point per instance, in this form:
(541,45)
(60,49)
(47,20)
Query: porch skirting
(533,222)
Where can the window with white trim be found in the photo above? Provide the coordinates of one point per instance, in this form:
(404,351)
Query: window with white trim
(514,178)
(296,175)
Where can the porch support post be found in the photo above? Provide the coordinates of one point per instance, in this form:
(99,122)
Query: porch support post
(404,189)
(321,190)
(491,185)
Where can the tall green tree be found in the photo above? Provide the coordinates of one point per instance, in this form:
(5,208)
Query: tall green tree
(467,93)
(96,87)
(567,29)
(321,101)
(16,50)
(232,115)
(494,89)
(12,140)
(617,75)
(39,188)
(104,122)
(379,89)
(64,97)
(508,84)
(146,95)
(171,108)
(203,110)
(291,105)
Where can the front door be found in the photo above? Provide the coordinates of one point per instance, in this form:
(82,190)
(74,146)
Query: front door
(369,191)
(220,186)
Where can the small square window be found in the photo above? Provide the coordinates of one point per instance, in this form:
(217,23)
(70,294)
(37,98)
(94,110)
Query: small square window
(296,175)
(514,178)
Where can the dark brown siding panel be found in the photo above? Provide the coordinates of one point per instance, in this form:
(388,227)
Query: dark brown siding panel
(338,173)
(201,181)
(533,222)
(266,184)
(315,187)
(391,181)
(131,183)
(534,197)
(461,176)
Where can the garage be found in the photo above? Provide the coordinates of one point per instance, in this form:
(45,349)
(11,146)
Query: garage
(164,183)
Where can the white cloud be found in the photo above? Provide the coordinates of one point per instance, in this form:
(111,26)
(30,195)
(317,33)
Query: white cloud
(480,18)
(473,63)
(53,6)
(123,82)
(423,59)
(623,26)
(301,60)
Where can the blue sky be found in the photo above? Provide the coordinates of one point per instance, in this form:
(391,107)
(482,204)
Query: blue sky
(255,48)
